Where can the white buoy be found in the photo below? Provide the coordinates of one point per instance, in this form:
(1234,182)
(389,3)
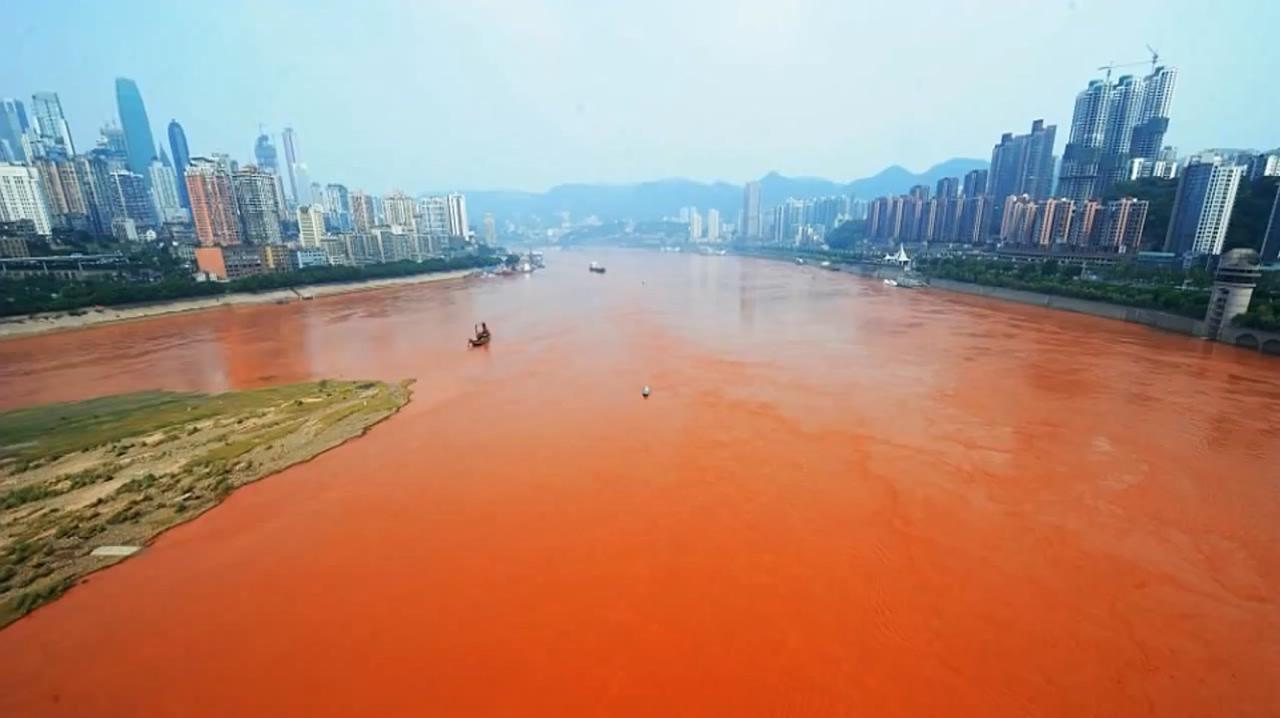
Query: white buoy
(645,391)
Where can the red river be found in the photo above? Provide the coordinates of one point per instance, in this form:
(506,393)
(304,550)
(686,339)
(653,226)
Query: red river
(841,499)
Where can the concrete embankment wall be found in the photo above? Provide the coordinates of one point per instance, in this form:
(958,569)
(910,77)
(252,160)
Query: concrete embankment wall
(1244,337)
(1149,317)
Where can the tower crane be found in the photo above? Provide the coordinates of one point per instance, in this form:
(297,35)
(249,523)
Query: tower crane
(1155,59)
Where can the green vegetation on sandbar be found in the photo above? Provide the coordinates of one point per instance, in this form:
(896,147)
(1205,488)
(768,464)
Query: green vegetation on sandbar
(117,470)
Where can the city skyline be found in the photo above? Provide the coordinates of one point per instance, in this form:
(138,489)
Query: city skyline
(609,127)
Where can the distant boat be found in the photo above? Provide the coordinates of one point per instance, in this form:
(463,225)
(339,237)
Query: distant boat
(891,282)
(596,267)
(799,260)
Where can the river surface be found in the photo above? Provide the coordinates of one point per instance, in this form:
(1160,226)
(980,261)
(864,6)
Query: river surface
(841,499)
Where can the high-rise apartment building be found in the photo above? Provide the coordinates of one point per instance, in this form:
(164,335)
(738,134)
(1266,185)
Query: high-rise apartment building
(400,211)
(948,221)
(912,211)
(181,158)
(282,202)
(213,202)
(930,225)
(1122,225)
(433,216)
(265,153)
(713,225)
(311,225)
(975,183)
(1113,123)
(897,216)
(1202,208)
(13,130)
(827,212)
(1271,238)
(1124,101)
(362,216)
(695,224)
(947,188)
(1023,164)
(131,199)
(337,203)
(974,217)
(1017,219)
(93,170)
(290,141)
(22,197)
(458,226)
(1052,222)
(1087,223)
(877,217)
(751,211)
(1082,158)
(63,193)
(51,125)
(256,201)
(302,180)
(1153,118)
(858,208)
(140,146)
(164,192)
(789,221)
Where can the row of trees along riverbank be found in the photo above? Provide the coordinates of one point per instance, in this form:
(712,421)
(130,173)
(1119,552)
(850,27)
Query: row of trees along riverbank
(1127,283)
(30,295)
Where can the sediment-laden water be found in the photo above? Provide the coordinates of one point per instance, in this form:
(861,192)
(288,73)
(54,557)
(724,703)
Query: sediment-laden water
(841,499)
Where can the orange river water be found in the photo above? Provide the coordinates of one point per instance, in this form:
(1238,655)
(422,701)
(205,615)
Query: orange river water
(841,499)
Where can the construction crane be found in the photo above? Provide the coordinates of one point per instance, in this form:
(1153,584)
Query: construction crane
(1155,59)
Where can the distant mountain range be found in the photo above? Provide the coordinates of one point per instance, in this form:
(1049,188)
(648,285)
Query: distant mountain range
(663,198)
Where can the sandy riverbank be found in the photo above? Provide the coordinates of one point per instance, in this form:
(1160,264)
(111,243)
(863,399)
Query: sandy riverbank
(84,485)
(59,321)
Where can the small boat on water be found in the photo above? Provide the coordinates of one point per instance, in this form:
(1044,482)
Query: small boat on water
(596,267)
(799,260)
(891,282)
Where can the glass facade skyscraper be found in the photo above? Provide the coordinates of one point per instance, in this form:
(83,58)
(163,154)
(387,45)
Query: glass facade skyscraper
(51,125)
(181,158)
(137,128)
(13,125)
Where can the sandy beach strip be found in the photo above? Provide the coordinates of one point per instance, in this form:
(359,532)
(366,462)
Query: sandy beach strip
(19,326)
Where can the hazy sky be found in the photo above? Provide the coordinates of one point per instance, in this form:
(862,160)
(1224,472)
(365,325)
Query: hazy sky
(525,94)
